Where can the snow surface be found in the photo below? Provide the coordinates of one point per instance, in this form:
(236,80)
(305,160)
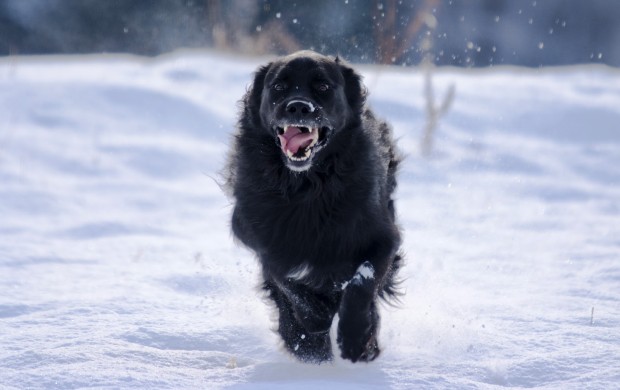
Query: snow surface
(118,270)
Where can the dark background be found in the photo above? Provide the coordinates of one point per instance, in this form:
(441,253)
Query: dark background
(468,33)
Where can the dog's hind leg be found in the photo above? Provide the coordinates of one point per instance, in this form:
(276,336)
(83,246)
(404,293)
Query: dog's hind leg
(310,347)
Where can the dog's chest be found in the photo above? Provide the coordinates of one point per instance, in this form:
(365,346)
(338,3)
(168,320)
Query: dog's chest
(314,233)
(318,231)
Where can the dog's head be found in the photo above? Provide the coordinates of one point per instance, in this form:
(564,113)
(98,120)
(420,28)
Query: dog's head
(302,101)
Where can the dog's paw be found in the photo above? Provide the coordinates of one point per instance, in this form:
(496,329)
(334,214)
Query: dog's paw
(357,350)
(311,348)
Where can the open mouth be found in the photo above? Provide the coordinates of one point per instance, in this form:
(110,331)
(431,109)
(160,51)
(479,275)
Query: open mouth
(298,143)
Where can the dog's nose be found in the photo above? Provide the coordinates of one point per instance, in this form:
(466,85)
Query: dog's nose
(300,107)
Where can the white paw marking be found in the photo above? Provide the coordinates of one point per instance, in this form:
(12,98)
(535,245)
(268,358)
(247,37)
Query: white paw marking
(364,271)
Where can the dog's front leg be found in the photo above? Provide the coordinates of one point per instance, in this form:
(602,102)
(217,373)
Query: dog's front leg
(314,310)
(305,317)
(359,320)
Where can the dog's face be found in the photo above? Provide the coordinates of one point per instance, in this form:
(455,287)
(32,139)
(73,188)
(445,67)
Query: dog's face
(306,99)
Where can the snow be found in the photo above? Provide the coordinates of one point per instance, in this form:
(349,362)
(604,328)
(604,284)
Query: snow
(305,102)
(364,271)
(118,270)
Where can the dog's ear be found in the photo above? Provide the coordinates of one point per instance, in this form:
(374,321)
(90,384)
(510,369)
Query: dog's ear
(252,98)
(353,87)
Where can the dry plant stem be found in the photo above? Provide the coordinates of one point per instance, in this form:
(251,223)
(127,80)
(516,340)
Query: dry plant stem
(433,112)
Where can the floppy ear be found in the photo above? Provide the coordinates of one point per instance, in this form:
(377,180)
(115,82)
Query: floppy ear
(252,97)
(353,87)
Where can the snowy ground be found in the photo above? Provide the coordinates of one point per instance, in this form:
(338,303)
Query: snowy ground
(117,268)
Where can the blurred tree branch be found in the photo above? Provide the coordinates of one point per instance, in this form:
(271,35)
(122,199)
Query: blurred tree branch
(230,32)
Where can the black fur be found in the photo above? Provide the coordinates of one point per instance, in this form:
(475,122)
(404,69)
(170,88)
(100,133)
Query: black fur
(327,215)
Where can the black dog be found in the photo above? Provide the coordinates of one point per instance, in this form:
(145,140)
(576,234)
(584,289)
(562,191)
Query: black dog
(312,172)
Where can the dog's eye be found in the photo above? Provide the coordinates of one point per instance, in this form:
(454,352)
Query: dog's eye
(278,86)
(322,87)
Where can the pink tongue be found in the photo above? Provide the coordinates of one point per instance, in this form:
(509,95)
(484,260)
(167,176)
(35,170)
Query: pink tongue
(293,139)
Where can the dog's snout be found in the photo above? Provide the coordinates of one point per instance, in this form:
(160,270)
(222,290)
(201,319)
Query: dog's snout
(300,107)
